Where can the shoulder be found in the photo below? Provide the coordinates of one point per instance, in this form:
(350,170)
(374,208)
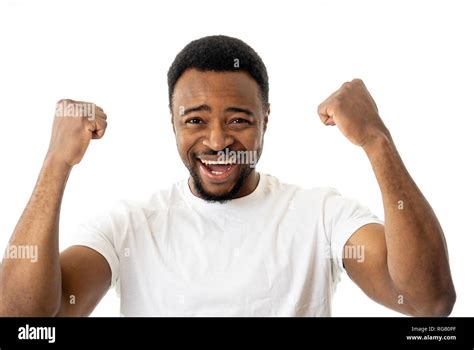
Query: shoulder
(123,212)
(159,199)
(315,195)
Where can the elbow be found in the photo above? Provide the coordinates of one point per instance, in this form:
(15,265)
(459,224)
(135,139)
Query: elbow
(444,307)
(18,312)
(440,307)
(25,310)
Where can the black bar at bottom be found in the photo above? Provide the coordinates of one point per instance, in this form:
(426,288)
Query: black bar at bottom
(64,333)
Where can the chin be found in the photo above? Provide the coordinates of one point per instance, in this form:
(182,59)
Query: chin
(220,192)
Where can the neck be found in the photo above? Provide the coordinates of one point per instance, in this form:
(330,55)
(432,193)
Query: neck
(251,183)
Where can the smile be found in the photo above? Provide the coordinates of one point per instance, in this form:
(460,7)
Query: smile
(217,170)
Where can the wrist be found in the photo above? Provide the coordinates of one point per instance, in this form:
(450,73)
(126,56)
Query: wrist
(378,142)
(56,164)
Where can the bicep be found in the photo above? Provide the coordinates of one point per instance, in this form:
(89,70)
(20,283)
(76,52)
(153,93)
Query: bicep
(370,272)
(86,277)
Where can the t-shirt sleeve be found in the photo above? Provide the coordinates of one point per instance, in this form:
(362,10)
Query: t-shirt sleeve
(98,234)
(343,217)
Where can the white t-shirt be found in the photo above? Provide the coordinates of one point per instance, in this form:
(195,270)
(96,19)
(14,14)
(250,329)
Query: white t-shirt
(276,252)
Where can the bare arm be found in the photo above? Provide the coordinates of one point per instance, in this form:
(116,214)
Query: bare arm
(86,278)
(34,287)
(417,256)
(406,265)
(27,287)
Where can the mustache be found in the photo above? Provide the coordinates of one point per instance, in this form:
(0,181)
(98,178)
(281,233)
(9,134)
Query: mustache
(216,153)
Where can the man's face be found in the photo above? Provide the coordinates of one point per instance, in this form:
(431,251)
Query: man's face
(216,113)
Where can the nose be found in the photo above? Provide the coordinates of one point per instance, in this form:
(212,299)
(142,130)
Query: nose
(217,138)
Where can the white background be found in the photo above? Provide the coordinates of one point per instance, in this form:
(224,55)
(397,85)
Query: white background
(415,57)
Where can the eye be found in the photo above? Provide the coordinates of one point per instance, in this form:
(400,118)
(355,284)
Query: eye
(240,121)
(194,120)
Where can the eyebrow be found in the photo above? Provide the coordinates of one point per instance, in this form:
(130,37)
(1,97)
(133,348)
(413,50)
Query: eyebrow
(239,110)
(207,108)
(196,109)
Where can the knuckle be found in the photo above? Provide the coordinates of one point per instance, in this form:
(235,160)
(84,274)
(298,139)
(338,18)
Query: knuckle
(65,100)
(346,85)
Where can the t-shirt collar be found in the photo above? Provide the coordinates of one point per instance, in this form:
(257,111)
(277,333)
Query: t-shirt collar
(249,200)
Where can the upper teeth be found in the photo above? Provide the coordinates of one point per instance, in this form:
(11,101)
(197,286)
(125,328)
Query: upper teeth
(221,162)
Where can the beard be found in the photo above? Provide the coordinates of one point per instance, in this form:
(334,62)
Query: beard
(224,197)
(245,171)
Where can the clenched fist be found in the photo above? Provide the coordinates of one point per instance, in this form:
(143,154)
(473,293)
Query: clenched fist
(75,124)
(354,112)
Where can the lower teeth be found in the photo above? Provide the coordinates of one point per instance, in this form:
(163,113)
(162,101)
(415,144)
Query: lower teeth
(217,172)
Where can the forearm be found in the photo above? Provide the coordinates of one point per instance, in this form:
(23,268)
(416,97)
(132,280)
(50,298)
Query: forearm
(32,285)
(417,256)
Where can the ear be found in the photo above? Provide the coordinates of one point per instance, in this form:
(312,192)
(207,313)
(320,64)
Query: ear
(265,119)
(172,122)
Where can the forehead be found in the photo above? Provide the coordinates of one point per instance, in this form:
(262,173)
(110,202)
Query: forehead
(199,86)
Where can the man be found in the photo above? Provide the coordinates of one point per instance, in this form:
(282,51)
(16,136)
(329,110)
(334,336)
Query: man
(230,241)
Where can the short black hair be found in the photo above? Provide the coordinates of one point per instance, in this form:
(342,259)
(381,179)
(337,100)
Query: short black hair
(219,53)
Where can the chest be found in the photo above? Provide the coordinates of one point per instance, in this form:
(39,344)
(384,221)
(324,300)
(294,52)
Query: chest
(224,265)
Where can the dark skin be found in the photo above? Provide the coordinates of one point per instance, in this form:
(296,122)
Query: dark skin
(406,265)
(406,260)
(218,111)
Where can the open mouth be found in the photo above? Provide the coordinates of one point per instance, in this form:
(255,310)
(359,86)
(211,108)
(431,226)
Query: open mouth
(216,170)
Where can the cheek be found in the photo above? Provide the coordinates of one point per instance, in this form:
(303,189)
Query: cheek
(252,140)
(186,141)
(183,138)
(183,144)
